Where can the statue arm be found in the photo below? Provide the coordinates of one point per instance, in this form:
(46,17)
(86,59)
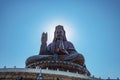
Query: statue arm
(71,48)
(43,46)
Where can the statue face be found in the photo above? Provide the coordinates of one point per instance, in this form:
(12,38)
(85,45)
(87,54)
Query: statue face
(59,32)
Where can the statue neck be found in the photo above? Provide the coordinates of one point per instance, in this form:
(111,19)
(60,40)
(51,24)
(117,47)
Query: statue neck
(59,40)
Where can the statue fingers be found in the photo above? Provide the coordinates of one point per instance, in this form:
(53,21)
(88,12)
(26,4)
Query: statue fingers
(44,38)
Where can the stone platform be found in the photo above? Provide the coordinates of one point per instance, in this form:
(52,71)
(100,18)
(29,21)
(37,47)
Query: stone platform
(32,74)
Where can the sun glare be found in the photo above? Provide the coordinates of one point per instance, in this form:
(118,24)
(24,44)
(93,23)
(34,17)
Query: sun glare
(50,28)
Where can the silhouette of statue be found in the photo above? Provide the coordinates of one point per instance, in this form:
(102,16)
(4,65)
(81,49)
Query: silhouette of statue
(60,46)
(60,51)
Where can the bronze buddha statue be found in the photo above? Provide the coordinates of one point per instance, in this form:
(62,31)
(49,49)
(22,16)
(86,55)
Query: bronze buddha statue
(60,46)
(60,49)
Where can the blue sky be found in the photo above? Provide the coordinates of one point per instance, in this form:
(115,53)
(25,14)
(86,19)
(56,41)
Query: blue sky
(93,26)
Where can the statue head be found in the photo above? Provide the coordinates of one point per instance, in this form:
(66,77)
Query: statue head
(59,33)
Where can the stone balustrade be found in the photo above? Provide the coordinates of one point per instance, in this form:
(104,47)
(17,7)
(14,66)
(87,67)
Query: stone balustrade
(45,71)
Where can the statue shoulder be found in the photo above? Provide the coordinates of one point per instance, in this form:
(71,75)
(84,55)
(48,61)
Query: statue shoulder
(50,44)
(69,44)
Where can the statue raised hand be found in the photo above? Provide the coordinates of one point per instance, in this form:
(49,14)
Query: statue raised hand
(44,38)
(43,43)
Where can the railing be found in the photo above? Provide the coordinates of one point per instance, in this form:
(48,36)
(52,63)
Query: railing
(19,70)
(45,71)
